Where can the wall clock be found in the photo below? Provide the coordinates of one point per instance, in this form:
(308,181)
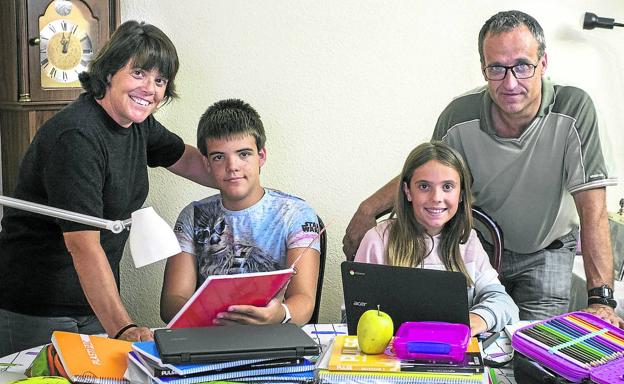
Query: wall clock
(63,38)
(44,45)
(67,33)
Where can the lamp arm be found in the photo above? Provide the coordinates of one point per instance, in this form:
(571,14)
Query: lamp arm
(114,226)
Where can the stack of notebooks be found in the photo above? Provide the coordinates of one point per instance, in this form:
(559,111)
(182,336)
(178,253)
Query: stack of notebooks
(345,363)
(100,360)
(237,353)
(145,365)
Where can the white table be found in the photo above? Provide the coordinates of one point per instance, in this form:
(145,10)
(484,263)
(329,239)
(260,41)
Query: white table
(321,333)
(12,367)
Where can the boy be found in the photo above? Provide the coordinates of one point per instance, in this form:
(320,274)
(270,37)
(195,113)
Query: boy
(245,228)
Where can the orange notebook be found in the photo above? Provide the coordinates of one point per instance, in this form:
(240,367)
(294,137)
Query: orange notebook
(92,359)
(218,292)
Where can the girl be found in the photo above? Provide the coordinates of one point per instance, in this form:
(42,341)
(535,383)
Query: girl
(433,229)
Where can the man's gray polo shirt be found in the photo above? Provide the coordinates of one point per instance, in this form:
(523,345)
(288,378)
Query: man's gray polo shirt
(525,184)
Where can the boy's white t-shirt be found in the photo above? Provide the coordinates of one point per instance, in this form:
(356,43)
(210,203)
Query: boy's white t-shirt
(255,239)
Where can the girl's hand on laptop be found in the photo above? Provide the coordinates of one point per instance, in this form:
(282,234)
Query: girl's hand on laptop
(477,324)
(248,314)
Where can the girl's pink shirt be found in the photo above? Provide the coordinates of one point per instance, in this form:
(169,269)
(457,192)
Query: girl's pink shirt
(373,250)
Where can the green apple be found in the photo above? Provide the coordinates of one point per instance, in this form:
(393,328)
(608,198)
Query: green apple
(374,331)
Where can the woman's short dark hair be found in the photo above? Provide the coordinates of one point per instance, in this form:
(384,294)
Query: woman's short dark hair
(146,46)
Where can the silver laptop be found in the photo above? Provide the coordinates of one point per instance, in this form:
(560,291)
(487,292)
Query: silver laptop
(406,294)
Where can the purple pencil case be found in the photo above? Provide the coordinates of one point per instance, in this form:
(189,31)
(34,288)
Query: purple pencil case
(576,346)
(431,340)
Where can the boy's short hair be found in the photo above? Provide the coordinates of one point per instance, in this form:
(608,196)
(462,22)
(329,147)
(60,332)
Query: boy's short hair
(229,118)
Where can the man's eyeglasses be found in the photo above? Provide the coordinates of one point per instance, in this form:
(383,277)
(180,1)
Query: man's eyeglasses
(520,71)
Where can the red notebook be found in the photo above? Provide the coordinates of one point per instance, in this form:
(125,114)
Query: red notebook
(218,292)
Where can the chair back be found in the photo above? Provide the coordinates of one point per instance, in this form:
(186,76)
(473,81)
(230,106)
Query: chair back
(321,272)
(496,236)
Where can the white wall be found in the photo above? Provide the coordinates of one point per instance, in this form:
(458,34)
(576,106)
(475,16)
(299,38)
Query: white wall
(345,89)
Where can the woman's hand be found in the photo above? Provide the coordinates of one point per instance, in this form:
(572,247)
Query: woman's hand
(137,334)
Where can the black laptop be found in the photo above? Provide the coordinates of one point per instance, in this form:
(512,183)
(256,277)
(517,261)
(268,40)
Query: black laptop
(404,293)
(218,343)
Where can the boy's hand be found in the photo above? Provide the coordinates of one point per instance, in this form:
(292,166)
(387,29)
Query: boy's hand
(273,313)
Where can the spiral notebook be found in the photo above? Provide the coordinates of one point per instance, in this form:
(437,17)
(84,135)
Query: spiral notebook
(327,376)
(218,292)
(147,352)
(302,366)
(92,359)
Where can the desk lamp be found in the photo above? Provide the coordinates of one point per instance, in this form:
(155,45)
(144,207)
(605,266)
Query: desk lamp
(591,21)
(151,238)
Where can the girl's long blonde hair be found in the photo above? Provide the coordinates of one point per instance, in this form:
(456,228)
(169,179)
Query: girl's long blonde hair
(407,244)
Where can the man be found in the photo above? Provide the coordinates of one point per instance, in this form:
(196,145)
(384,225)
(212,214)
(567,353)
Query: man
(535,155)
(245,228)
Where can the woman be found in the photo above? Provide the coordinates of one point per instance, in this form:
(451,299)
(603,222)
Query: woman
(90,158)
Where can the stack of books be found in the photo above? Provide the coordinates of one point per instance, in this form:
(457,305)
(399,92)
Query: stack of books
(344,362)
(100,360)
(145,365)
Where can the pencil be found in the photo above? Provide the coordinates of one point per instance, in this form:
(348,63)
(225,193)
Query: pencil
(493,376)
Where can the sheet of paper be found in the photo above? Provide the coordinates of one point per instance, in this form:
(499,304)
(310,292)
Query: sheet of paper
(12,367)
(324,333)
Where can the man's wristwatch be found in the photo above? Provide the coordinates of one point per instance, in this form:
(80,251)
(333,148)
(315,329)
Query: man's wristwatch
(286,314)
(602,300)
(601,295)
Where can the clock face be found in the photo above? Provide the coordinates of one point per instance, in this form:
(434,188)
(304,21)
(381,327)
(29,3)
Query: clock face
(66,50)
(56,41)
(68,41)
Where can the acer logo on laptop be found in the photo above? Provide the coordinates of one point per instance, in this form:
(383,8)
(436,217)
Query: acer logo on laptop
(353,273)
(359,303)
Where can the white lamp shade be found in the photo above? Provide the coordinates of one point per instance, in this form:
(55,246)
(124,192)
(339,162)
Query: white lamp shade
(151,238)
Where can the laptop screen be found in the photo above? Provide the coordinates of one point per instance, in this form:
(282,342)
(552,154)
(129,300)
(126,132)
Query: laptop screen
(404,293)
